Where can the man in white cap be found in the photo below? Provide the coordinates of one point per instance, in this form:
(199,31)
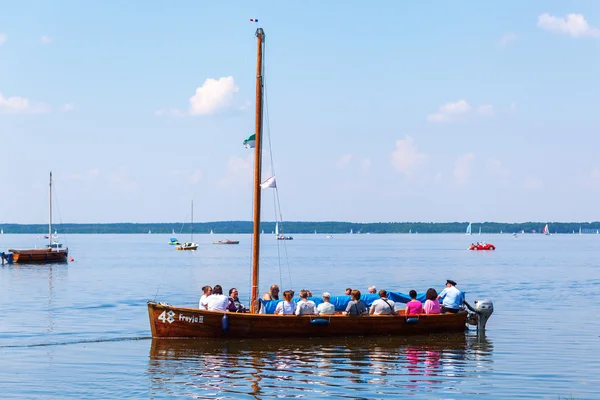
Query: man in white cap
(451,298)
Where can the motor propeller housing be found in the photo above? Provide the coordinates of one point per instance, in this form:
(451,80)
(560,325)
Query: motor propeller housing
(483,309)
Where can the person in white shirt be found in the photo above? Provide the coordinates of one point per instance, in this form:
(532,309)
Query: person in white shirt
(326,308)
(305,306)
(287,306)
(206,291)
(217,301)
(382,306)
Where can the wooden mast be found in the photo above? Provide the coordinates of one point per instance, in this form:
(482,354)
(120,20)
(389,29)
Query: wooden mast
(50,222)
(260,34)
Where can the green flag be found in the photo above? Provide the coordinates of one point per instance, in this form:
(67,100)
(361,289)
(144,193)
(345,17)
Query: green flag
(250,143)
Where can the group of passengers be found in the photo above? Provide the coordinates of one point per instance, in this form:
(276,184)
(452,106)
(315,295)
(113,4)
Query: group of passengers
(452,299)
(213,299)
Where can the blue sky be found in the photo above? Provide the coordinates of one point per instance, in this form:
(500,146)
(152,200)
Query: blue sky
(391,111)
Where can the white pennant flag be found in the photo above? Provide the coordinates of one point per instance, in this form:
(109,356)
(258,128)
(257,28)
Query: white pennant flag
(269,183)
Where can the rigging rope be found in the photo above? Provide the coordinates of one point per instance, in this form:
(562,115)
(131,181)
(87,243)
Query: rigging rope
(276,200)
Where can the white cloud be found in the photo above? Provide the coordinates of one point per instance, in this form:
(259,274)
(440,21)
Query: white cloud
(462,168)
(213,96)
(68,107)
(487,110)
(192,176)
(531,182)
(366,164)
(449,111)
(574,25)
(343,161)
(507,38)
(238,170)
(121,180)
(498,171)
(3,38)
(19,105)
(45,39)
(406,157)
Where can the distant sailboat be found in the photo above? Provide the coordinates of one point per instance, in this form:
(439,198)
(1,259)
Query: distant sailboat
(546,231)
(211,232)
(189,245)
(409,231)
(501,231)
(149,232)
(469,229)
(315,231)
(173,231)
(580,230)
(480,230)
(1,231)
(351,232)
(281,237)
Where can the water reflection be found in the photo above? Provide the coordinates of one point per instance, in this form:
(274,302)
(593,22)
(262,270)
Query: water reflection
(363,367)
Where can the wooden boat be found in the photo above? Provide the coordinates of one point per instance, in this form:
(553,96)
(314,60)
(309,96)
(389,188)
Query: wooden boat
(189,245)
(168,321)
(227,241)
(52,253)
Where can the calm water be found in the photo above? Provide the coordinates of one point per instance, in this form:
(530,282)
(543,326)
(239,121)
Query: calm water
(81,330)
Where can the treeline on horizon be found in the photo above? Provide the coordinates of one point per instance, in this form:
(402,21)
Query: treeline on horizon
(299,227)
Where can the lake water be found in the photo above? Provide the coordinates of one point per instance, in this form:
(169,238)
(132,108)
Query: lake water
(81,330)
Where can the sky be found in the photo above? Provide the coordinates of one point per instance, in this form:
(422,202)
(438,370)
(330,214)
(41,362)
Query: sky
(387,111)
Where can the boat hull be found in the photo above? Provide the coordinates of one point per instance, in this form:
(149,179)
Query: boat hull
(169,322)
(227,242)
(486,247)
(40,256)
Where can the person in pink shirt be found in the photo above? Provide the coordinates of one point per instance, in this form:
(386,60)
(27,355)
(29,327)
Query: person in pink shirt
(432,305)
(414,306)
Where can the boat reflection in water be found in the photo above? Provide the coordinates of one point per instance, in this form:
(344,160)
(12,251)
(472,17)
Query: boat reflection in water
(364,367)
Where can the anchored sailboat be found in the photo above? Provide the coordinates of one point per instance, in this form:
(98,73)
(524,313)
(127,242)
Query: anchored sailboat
(167,321)
(469,229)
(189,245)
(52,253)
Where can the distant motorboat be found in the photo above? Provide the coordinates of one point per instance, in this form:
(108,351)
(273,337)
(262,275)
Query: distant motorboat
(227,241)
(174,241)
(328,237)
(284,237)
(482,246)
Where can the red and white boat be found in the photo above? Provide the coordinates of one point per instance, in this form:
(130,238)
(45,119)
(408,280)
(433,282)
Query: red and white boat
(482,246)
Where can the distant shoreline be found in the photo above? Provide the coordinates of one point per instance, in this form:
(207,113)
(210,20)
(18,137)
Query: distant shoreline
(300,227)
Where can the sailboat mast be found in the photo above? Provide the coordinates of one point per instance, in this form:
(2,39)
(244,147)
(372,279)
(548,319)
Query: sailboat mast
(50,222)
(260,35)
(192,221)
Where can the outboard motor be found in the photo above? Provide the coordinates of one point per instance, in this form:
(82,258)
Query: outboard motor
(484,310)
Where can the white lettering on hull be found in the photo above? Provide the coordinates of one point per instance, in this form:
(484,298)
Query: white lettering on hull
(170,318)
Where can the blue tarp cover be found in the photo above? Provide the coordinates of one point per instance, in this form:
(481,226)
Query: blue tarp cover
(340,302)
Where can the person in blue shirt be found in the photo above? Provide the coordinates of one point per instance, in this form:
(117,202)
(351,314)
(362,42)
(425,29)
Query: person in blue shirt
(451,298)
